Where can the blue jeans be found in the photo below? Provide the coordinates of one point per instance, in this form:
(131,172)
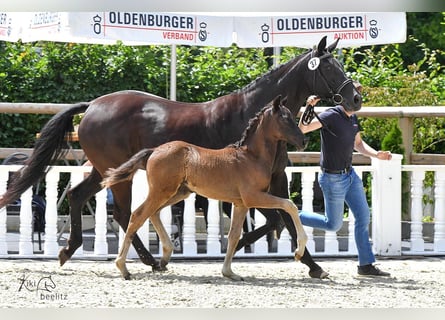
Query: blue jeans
(338,189)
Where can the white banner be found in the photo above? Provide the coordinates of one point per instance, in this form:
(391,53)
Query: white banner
(305,30)
(10,26)
(215,29)
(154,28)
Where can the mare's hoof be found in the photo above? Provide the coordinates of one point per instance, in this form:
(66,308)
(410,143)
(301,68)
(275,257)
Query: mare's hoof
(127,276)
(158,267)
(148,260)
(63,257)
(318,274)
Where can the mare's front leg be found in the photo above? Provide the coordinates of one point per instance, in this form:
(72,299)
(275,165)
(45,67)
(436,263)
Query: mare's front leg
(236,224)
(77,198)
(279,187)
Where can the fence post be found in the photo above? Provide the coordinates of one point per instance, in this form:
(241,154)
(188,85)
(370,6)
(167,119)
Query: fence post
(25,241)
(100,228)
(416,235)
(189,228)
(51,246)
(307,197)
(387,206)
(213,244)
(439,212)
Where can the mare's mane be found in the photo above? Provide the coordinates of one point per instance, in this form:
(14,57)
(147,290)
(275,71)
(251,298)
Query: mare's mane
(283,68)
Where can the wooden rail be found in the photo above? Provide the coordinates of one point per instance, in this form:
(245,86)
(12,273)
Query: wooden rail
(71,154)
(295,157)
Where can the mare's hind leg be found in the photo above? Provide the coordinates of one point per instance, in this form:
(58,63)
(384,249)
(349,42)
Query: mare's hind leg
(272,223)
(121,213)
(77,197)
(236,224)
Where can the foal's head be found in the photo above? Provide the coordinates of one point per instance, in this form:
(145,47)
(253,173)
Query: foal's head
(283,125)
(278,122)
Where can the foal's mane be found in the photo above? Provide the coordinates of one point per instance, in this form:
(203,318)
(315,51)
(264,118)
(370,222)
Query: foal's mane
(251,128)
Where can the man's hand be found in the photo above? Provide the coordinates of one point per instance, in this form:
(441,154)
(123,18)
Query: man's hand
(312,100)
(384,155)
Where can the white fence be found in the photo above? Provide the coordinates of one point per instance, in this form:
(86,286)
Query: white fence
(386,230)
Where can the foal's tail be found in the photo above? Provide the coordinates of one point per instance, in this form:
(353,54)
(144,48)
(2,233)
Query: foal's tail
(48,148)
(127,170)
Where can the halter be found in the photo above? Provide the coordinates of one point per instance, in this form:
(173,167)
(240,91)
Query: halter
(336,96)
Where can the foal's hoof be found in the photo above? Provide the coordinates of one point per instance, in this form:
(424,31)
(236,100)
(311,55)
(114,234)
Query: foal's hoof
(318,274)
(234,277)
(127,276)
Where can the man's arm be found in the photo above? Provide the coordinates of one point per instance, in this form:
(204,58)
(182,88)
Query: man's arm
(365,149)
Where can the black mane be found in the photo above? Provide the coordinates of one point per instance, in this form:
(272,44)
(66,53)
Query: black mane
(251,127)
(283,67)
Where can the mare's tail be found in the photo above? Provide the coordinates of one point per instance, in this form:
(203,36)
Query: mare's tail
(48,148)
(127,170)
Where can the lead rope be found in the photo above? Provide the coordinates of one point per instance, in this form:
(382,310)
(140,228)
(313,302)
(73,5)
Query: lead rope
(309,114)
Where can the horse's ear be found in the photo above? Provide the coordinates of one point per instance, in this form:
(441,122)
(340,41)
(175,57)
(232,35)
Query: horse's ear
(333,46)
(284,101)
(276,103)
(321,45)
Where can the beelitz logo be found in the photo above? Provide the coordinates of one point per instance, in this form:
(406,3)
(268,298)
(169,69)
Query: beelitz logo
(373,30)
(44,287)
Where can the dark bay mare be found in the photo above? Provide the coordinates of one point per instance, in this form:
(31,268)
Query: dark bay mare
(177,168)
(118,125)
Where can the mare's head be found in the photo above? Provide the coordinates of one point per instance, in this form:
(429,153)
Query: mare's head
(328,78)
(282,125)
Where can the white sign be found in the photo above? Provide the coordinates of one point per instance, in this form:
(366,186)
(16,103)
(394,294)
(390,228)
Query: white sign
(215,29)
(305,30)
(153,27)
(10,26)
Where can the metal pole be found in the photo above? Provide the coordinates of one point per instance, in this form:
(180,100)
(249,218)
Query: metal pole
(276,56)
(173,73)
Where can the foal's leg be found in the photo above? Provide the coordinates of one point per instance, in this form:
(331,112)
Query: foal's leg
(121,213)
(137,219)
(167,245)
(266,200)
(150,208)
(237,220)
